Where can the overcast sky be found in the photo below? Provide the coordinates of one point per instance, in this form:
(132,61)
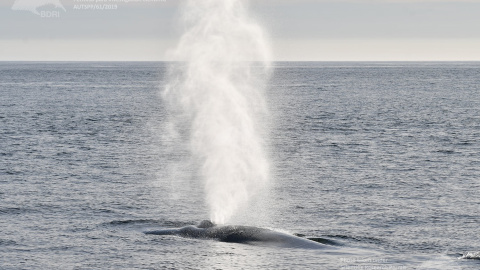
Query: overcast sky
(305,30)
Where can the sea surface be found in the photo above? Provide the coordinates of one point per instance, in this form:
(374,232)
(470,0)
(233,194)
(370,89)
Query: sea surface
(381,158)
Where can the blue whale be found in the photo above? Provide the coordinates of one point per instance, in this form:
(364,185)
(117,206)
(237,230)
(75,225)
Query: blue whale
(241,234)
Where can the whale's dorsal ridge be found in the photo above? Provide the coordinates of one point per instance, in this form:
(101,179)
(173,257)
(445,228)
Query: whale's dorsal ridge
(241,234)
(206,224)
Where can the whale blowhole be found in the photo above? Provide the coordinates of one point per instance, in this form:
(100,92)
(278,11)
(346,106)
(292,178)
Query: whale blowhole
(206,224)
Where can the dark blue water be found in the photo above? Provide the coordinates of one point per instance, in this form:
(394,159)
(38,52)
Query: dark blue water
(382,158)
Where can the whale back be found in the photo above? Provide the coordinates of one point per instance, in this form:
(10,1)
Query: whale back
(241,234)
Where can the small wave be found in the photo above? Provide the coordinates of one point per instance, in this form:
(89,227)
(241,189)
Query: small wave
(14,210)
(359,239)
(321,240)
(471,256)
(12,172)
(130,221)
(445,151)
(150,222)
(6,242)
(325,241)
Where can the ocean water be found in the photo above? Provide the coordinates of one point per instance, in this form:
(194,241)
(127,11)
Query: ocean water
(381,158)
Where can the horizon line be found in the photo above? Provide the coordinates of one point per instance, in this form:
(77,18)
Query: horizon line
(275,61)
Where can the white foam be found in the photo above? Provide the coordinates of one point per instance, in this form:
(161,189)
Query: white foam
(471,255)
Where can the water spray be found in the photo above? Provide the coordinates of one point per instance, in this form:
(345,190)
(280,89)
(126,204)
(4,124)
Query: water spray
(215,92)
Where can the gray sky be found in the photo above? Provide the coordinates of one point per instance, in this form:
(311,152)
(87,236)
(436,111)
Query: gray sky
(306,30)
